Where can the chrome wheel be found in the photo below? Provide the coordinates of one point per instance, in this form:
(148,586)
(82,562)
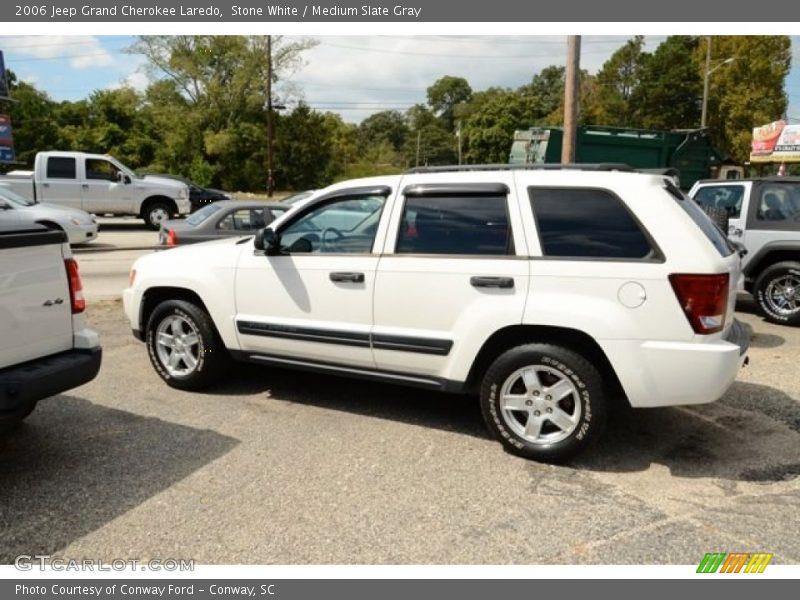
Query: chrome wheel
(178,346)
(540,404)
(158,215)
(783,295)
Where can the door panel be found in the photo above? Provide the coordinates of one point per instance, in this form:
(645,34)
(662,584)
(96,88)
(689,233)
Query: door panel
(454,271)
(61,182)
(315,300)
(102,193)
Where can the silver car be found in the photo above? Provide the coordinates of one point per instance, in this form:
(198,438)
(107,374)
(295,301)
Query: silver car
(80,226)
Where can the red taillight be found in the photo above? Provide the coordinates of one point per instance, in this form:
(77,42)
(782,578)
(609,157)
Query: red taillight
(704,299)
(172,238)
(75,286)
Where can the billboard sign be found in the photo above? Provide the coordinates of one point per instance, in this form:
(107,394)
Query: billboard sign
(6,140)
(775,142)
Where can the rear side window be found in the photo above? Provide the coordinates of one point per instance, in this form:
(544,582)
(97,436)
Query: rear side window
(456,225)
(727,197)
(779,203)
(587,223)
(701,219)
(60,167)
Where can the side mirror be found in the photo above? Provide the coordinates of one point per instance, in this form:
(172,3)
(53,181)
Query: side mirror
(122,178)
(4,205)
(268,241)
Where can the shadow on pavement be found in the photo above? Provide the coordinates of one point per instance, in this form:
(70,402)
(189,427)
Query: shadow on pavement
(73,466)
(750,435)
(450,412)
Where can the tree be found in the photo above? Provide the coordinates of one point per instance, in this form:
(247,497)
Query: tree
(445,94)
(547,90)
(489,130)
(437,144)
(747,92)
(303,150)
(32,119)
(387,125)
(617,81)
(670,86)
(216,90)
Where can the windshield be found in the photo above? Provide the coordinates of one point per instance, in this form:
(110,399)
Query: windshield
(14,197)
(127,171)
(201,215)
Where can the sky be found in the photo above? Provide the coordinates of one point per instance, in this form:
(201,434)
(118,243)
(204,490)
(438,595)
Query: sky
(354,76)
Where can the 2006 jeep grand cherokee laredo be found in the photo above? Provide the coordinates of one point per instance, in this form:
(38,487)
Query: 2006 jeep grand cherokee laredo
(551,292)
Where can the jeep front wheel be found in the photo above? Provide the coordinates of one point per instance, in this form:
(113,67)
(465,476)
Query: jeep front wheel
(184,346)
(543,402)
(777,293)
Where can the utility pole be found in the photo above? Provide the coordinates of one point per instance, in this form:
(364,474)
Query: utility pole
(419,138)
(571,94)
(458,135)
(270,181)
(706,78)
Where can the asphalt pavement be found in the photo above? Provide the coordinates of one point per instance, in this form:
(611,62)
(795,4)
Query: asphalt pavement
(279,467)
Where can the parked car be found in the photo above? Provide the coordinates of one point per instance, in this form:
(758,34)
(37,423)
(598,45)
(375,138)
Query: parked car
(550,293)
(99,184)
(80,226)
(297,199)
(199,196)
(222,219)
(763,215)
(45,346)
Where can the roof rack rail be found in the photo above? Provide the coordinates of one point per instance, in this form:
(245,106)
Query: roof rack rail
(525,167)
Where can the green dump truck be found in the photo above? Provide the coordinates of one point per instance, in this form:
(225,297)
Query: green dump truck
(689,152)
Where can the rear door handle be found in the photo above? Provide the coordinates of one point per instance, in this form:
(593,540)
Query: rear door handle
(492,282)
(347,277)
(85,186)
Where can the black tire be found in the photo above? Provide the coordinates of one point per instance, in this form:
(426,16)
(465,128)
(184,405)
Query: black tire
(554,362)
(766,282)
(211,356)
(155,213)
(720,216)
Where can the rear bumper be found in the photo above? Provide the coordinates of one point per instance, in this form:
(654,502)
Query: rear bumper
(22,386)
(678,373)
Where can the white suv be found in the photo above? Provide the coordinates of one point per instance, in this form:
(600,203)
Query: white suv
(551,292)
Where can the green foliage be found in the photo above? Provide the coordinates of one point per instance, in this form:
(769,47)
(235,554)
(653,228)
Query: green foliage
(445,94)
(670,86)
(747,92)
(203,114)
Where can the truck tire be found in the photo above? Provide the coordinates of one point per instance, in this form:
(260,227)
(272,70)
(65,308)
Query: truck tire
(543,402)
(156,213)
(777,293)
(184,346)
(720,216)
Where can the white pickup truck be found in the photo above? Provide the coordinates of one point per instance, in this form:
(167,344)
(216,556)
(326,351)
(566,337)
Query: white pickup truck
(45,346)
(100,184)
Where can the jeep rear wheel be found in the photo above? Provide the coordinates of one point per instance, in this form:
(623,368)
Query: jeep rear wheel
(543,402)
(777,293)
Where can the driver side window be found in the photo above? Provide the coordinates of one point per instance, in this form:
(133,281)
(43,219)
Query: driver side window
(342,226)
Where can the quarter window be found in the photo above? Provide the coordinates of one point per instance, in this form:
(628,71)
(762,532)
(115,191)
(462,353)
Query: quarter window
(587,223)
(779,203)
(456,225)
(60,167)
(728,197)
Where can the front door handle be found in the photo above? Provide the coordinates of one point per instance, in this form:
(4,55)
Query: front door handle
(347,277)
(85,186)
(492,282)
